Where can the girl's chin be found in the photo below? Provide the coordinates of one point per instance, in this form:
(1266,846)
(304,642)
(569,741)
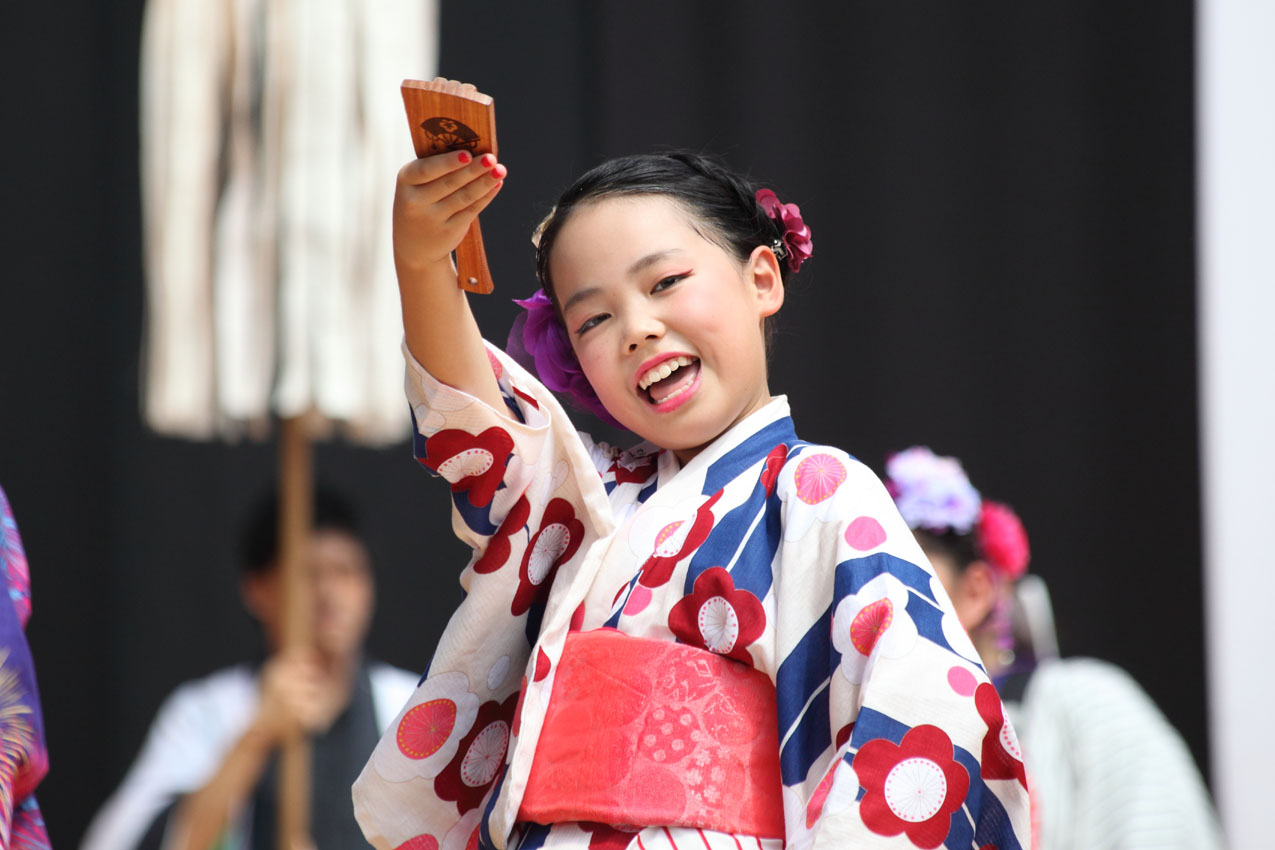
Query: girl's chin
(684,439)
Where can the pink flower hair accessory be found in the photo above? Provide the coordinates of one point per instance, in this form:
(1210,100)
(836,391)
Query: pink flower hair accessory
(1003,540)
(794,243)
(539,342)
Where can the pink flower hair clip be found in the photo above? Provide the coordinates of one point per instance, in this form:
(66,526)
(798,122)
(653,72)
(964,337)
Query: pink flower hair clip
(1003,540)
(794,243)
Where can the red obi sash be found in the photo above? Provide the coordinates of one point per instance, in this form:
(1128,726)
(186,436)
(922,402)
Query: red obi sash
(644,732)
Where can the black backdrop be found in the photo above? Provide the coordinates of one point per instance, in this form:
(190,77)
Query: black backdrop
(1001,197)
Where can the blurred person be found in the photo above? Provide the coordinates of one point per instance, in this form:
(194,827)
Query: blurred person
(23,758)
(205,776)
(1104,766)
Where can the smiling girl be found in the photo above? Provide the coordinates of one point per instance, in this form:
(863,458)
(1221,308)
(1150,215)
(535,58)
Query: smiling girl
(721,637)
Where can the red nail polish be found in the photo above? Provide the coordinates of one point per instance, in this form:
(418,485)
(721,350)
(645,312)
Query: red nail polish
(495,172)
(465,157)
(488,160)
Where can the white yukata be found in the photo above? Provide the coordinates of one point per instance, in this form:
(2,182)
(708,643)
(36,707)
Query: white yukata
(784,556)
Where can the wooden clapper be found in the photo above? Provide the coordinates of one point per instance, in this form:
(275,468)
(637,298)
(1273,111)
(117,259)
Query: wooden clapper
(445,115)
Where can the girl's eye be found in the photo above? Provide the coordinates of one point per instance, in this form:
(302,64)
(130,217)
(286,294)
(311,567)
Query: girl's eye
(669,281)
(590,323)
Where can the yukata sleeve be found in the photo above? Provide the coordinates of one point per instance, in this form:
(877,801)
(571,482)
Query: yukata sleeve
(891,733)
(526,498)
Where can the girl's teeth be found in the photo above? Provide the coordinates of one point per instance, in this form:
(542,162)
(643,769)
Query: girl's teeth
(662,371)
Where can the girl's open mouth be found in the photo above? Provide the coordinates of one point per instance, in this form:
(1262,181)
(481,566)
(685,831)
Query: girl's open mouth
(666,384)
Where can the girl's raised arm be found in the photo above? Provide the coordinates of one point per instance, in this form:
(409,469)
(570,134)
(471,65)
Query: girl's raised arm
(435,200)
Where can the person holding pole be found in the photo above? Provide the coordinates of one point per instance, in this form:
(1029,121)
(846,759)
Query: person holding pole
(206,775)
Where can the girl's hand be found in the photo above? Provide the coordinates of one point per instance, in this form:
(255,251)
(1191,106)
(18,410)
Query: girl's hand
(435,201)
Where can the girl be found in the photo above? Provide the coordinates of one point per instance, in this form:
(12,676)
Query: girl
(1107,769)
(721,637)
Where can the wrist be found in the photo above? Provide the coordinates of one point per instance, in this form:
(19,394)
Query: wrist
(425,272)
(262,735)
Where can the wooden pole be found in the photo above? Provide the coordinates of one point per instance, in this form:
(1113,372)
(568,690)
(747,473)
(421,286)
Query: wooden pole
(296,500)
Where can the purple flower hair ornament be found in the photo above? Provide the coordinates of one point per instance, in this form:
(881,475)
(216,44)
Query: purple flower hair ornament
(932,492)
(539,342)
(794,243)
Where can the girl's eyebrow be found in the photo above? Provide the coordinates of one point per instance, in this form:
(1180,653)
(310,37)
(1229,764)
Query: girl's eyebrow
(651,259)
(587,292)
(640,264)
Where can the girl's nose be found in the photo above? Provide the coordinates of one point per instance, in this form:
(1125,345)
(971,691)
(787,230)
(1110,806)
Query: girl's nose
(643,330)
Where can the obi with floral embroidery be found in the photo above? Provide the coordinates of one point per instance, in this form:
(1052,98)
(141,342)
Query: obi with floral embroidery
(785,560)
(691,736)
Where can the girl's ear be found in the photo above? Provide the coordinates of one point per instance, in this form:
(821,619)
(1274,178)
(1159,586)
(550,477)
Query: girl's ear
(976,593)
(766,279)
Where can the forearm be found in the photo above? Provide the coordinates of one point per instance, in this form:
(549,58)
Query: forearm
(442,333)
(201,817)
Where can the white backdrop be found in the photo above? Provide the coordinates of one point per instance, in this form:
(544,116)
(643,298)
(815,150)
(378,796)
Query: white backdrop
(1236,135)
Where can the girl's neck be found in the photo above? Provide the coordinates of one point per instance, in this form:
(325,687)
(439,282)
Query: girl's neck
(685,456)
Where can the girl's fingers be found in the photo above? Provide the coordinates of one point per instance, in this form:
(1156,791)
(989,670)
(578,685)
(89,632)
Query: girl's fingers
(475,190)
(429,169)
(469,180)
(471,212)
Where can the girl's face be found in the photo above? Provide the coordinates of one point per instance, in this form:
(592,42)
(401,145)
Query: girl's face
(667,325)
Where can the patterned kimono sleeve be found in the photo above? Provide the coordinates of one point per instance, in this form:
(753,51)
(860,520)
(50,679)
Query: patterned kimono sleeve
(891,734)
(24,761)
(526,496)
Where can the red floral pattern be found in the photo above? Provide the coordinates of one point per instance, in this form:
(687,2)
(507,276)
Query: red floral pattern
(498,547)
(542,665)
(522,696)
(911,788)
(658,568)
(554,544)
(603,837)
(531,400)
(480,757)
(472,464)
(770,469)
(1001,757)
(424,841)
(633,470)
(718,617)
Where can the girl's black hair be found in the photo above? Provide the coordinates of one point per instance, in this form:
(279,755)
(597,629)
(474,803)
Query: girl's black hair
(722,204)
(962,549)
